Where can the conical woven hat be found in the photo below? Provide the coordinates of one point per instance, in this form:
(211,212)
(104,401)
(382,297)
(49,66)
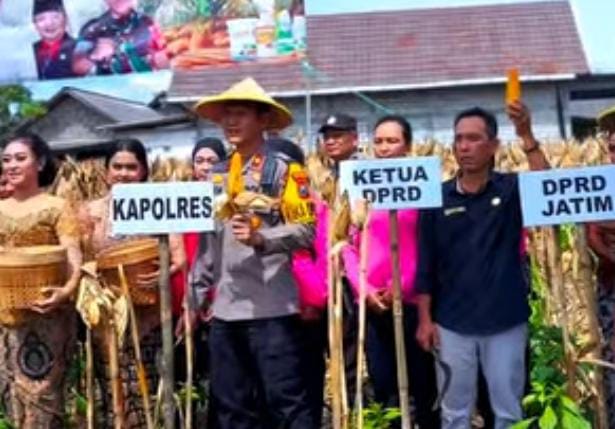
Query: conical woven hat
(606,119)
(212,107)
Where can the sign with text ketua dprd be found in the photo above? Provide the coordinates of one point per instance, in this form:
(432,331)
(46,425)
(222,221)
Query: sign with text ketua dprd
(573,195)
(392,184)
(162,208)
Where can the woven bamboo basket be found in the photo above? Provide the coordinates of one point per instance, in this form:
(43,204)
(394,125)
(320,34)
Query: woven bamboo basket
(25,271)
(138,257)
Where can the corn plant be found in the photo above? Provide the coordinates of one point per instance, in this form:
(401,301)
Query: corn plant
(548,405)
(376,416)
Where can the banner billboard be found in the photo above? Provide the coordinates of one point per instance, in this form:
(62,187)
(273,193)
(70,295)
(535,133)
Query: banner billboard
(58,39)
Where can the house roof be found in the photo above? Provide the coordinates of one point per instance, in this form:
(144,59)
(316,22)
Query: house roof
(414,48)
(115,109)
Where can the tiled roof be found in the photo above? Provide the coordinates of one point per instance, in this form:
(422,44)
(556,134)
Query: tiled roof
(115,109)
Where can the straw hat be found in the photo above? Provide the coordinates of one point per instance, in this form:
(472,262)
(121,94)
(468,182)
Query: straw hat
(606,119)
(212,107)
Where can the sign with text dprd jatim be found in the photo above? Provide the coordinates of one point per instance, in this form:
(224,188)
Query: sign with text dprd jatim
(568,195)
(396,183)
(162,208)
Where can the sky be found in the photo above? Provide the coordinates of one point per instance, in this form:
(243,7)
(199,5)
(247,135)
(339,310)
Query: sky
(594,20)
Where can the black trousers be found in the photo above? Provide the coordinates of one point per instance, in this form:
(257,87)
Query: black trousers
(382,366)
(316,335)
(258,365)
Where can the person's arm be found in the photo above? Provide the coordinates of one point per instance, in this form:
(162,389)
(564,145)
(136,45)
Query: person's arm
(67,230)
(203,274)
(297,231)
(178,253)
(312,286)
(427,332)
(81,63)
(596,242)
(284,238)
(521,118)
(351,258)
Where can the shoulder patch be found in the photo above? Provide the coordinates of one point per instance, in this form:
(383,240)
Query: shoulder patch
(302,181)
(296,204)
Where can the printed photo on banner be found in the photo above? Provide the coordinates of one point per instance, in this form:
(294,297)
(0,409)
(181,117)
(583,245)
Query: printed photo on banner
(568,196)
(393,183)
(80,38)
(162,208)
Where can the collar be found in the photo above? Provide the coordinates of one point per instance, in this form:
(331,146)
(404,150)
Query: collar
(456,188)
(51,48)
(123,20)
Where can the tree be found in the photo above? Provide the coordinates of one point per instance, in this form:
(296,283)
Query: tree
(16,105)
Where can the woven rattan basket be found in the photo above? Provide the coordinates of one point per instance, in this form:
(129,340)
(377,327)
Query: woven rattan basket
(25,271)
(138,257)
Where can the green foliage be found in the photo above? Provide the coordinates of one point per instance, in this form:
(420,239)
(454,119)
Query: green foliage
(375,416)
(548,406)
(198,394)
(16,105)
(552,410)
(5,423)
(566,237)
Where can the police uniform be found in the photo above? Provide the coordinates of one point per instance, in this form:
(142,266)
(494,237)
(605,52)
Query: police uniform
(53,59)
(256,340)
(136,35)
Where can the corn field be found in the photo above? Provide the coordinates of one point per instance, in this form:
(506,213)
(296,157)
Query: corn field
(562,267)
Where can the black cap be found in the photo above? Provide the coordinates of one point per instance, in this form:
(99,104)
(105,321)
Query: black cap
(41,6)
(210,143)
(338,121)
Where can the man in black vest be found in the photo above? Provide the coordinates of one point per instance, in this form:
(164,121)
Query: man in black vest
(54,52)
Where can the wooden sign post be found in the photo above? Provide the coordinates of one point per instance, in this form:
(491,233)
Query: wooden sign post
(162,209)
(395,184)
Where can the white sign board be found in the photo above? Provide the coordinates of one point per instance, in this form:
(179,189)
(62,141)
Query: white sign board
(572,195)
(162,208)
(395,183)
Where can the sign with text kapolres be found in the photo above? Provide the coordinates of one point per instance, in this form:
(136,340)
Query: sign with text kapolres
(568,195)
(162,208)
(398,183)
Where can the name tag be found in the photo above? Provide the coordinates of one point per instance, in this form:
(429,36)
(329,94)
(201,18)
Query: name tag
(454,210)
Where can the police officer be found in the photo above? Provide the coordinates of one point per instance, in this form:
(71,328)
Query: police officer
(256,343)
(340,140)
(54,51)
(122,40)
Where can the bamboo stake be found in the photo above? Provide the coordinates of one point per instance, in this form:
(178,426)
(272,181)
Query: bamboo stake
(89,375)
(362,316)
(189,351)
(339,325)
(588,294)
(134,330)
(116,381)
(557,283)
(166,319)
(334,346)
(400,346)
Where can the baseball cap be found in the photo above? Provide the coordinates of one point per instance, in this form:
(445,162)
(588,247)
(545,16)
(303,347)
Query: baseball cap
(338,121)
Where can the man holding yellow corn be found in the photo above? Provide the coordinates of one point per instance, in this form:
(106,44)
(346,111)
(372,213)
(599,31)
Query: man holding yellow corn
(256,344)
(473,304)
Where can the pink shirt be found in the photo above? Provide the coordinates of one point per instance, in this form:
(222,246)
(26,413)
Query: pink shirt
(310,267)
(379,267)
